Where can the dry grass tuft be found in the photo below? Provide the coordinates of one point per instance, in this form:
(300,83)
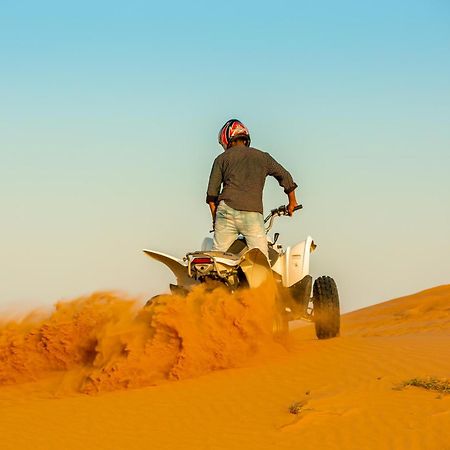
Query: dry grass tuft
(441,386)
(296,407)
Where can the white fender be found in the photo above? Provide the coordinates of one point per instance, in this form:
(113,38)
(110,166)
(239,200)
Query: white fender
(293,265)
(176,265)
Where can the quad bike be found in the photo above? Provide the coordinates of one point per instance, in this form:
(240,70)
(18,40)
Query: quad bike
(297,296)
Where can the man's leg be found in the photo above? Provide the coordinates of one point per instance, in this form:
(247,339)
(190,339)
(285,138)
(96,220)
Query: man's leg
(251,226)
(225,231)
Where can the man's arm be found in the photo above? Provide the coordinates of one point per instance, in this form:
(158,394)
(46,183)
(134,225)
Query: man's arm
(215,181)
(213,208)
(284,179)
(292,202)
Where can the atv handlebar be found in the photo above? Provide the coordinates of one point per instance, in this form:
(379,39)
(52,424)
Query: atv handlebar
(280,211)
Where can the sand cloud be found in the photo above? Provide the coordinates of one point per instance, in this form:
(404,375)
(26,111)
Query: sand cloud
(107,342)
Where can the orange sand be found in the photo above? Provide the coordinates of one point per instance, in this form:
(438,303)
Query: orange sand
(204,373)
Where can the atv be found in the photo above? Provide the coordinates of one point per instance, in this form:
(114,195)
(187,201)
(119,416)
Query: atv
(297,297)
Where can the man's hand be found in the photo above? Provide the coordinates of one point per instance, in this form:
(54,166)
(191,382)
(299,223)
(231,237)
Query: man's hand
(291,208)
(292,203)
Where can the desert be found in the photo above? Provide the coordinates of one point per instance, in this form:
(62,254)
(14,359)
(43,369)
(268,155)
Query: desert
(225,226)
(91,375)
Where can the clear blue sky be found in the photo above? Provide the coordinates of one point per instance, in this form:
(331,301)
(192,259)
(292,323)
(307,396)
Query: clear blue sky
(109,113)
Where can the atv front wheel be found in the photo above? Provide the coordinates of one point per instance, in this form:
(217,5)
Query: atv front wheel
(327,316)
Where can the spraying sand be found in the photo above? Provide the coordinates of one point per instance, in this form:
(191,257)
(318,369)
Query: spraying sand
(112,343)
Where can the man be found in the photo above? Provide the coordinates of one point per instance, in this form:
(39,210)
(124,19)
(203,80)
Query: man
(242,170)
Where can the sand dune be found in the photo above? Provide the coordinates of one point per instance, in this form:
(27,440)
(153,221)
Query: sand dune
(215,380)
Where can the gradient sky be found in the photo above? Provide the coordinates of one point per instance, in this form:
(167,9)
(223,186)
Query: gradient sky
(109,113)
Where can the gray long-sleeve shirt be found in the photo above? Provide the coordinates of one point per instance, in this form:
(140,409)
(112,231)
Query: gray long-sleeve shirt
(242,171)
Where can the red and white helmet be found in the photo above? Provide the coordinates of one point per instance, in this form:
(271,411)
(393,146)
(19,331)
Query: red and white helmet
(232,130)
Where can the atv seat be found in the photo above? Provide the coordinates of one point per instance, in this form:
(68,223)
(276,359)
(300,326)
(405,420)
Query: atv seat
(239,247)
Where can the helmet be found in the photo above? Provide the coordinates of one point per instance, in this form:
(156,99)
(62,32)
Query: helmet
(232,130)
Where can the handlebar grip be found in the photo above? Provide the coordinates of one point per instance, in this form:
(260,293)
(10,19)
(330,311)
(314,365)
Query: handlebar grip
(281,211)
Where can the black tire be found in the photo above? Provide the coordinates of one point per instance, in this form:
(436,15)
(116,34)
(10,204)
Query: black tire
(327,315)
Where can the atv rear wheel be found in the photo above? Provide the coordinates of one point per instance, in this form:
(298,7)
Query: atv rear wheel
(327,316)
